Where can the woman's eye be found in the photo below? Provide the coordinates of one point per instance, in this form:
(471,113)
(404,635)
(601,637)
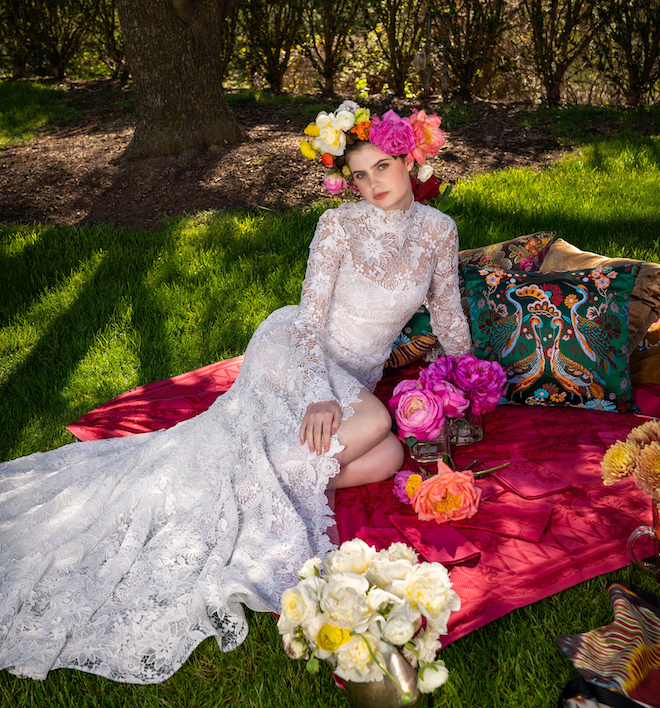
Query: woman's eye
(382,166)
(358,175)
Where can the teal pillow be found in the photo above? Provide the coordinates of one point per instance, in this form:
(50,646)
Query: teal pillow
(562,338)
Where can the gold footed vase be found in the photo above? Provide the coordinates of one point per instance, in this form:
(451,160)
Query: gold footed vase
(385,693)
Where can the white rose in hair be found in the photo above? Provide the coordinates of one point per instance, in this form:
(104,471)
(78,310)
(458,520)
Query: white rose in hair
(349,106)
(425,173)
(346,119)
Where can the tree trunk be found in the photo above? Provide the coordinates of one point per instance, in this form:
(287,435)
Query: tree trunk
(172,47)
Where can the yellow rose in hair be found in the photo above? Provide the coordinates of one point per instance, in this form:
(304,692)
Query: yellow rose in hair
(312,130)
(307,150)
(362,115)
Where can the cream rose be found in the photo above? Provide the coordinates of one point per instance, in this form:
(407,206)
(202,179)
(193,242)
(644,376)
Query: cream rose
(301,603)
(390,574)
(432,676)
(398,630)
(425,173)
(345,119)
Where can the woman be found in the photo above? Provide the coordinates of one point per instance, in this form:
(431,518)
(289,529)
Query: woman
(119,556)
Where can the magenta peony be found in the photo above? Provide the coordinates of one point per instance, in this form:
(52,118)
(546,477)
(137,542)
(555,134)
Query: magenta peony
(482,381)
(392,134)
(447,496)
(428,136)
(442,369)
(419,415)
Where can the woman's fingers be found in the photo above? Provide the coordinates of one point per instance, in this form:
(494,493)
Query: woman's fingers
(321,421)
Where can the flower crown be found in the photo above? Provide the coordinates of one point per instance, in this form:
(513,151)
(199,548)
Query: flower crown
(417,137)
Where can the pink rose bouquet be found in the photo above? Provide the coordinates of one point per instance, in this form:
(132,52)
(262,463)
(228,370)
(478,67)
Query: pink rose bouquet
(447,496)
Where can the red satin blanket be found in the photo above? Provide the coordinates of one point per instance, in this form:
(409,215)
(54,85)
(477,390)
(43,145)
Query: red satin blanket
(545,522)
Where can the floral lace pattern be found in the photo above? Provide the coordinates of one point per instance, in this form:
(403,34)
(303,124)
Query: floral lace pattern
(119,556)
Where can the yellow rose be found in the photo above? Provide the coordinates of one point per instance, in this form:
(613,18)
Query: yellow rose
(312,130)
(362,115)
(307,150)
(330,637)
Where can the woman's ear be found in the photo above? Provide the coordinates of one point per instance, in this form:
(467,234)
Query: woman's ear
(408,163)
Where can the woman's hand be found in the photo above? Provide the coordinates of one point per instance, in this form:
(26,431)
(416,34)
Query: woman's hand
(321,421)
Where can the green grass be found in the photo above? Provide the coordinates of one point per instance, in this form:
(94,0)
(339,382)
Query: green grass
(604,197)
(87,313)
(26,107)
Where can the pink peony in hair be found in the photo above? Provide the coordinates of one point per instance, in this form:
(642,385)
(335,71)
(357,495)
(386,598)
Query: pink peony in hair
(392,134)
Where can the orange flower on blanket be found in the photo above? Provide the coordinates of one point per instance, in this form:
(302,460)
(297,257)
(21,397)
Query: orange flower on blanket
(447,496)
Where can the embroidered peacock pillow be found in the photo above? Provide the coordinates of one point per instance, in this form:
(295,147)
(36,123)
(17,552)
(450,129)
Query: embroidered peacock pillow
(562,338)
(521,253)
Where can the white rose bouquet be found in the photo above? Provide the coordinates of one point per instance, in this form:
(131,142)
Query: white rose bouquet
(359,605)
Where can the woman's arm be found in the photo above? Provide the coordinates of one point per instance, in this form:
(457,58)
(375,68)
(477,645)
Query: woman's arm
(323,413)
(447,317)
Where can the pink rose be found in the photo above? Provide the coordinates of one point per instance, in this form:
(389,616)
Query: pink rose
(334,182)
(447,496)
(392,134)
(419,415)
(482,381)
(428,136)
(400,389)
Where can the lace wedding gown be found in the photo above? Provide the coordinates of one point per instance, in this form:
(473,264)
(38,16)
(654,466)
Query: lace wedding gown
(118,557)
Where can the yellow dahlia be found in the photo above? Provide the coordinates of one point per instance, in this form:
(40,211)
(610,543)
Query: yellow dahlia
(646,433)
(619,461)
(648,468)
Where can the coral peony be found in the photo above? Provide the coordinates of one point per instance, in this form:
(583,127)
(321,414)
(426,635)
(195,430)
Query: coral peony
(419,415)
(428,136)
(392,134)
(447,496)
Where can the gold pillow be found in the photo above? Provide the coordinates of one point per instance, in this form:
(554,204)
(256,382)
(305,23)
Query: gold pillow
(645,296)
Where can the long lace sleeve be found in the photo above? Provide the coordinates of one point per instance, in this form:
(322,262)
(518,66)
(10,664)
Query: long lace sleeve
(447,317)
(325,255)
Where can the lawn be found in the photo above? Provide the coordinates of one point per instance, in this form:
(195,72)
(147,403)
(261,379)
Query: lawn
(87,313)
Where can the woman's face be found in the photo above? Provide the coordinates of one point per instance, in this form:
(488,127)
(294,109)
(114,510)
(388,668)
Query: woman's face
(381,179)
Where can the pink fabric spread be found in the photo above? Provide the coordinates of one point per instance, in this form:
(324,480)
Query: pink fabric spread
(545,523)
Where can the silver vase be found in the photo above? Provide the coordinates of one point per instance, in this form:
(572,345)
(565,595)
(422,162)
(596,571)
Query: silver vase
(385,693)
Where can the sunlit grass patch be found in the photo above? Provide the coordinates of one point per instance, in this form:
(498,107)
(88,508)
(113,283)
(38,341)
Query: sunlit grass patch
(27,106)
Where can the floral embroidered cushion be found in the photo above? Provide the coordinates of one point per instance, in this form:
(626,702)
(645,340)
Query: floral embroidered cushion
(562,338)
(645,297)
(521,253)
(415,340)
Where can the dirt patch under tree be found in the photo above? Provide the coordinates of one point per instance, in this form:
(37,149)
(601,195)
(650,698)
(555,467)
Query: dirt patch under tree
(73,173)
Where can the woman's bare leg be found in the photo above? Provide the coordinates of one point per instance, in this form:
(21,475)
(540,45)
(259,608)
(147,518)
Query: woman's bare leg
(372,452)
